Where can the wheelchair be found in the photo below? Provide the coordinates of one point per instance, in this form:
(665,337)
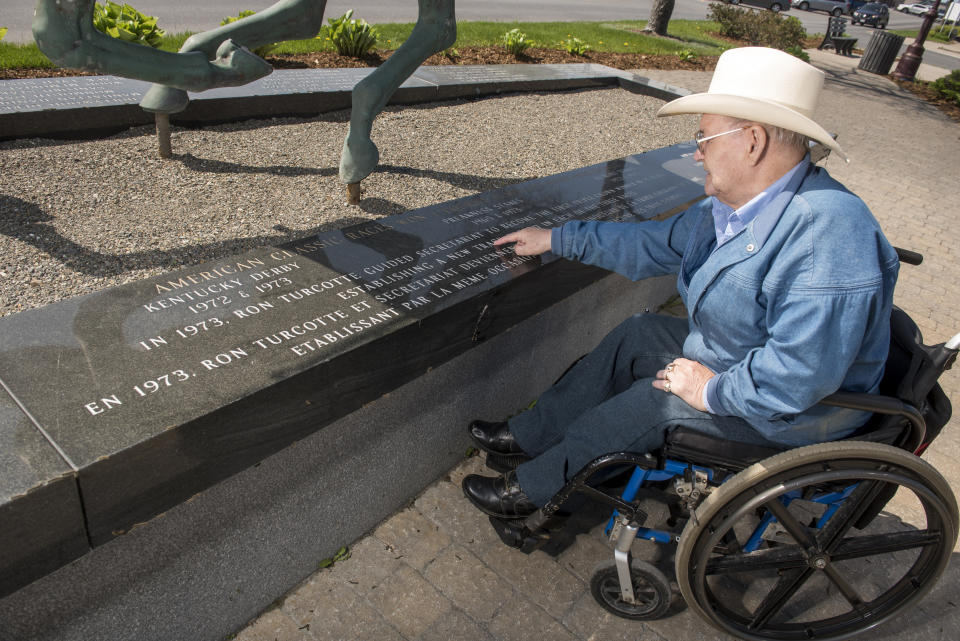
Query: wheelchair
(782,543)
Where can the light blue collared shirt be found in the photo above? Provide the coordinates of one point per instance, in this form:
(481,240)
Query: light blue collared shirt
(729,222)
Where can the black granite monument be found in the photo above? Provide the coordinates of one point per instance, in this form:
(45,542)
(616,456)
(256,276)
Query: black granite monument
(120,404)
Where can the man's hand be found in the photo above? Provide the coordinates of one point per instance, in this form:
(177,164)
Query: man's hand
(686,379)
(530,241)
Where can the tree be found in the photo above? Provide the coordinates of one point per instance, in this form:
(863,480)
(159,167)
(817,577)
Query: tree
(660,14)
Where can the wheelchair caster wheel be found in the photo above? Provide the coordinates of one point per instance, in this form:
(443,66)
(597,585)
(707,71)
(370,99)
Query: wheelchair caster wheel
(651,589)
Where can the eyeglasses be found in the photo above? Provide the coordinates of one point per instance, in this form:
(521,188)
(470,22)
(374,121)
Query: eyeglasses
(700,139)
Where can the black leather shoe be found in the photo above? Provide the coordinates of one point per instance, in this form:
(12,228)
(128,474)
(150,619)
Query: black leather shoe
(498,496)
(495,438)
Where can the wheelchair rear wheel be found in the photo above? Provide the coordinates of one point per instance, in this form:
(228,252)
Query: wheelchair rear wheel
(776,553)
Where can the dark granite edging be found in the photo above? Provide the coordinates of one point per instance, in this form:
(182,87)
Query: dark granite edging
(139,461)
(211,564)
(112,105)
(40,505)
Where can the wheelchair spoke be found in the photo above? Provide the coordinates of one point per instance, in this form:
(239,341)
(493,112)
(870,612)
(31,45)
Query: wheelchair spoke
(770,559)
(872,545)
(799,533)
(832,533)
(786,587)
(781,558)
(847,590)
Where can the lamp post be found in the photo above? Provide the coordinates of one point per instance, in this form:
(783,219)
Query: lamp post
(911,58)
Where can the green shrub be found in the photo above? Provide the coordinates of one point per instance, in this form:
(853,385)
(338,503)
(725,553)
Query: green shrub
(798,52)
(351,37)
(3,32)
(686,55)
(759,28)
(243,14)
(575,46)
(342,555)
(516,41)
(948,86)
(261,50)
(942,34)
(127,24)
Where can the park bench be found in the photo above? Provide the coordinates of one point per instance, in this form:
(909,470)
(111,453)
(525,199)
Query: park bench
(843,45)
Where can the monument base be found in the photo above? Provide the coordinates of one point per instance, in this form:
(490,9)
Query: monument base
(225,426)
(208,566)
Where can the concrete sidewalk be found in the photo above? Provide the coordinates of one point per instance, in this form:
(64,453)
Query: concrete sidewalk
(438,571)
(926,71)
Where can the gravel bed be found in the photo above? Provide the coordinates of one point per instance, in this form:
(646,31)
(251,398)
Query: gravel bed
(76,217)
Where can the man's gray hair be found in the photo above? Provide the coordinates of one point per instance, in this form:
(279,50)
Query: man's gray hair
(789,138)
(783,136)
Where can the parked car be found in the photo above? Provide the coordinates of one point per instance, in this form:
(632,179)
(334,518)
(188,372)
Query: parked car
(775,6)
(920,8)
(833,7)
(941,10)
(872,14)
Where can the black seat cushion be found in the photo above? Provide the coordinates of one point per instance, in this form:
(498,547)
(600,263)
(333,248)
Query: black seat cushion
(687,444)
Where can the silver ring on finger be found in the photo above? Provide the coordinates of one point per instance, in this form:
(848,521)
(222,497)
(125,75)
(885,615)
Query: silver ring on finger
(671,367)
(666,386)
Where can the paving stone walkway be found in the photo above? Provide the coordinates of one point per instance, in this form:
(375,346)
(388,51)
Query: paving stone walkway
(437,570)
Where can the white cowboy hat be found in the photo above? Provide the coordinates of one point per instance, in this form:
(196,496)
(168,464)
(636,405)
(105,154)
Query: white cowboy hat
(761,85)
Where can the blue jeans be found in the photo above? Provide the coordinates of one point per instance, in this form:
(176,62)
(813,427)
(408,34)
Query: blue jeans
(606,403)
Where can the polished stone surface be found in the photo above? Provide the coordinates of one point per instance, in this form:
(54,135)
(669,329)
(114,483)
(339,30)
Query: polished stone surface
(286,82)
(158,389)
(41,521)
(291,92)
(457,81)
(99,105)
(512,74)
(81,92)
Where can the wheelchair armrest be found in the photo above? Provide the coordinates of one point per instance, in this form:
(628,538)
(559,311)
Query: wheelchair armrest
(883,405)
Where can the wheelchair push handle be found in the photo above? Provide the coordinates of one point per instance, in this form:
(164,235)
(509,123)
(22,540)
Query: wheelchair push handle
(909,257)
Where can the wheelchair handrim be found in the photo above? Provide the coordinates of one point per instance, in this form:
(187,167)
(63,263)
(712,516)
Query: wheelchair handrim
(902,594)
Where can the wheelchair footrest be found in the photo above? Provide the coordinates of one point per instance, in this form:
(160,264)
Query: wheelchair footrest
(515,534)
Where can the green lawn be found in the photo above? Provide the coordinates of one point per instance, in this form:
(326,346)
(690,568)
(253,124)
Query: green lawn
(687,36)
(935,34)
(13,56)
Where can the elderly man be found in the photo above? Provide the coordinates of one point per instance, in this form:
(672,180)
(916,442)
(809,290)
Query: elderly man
(786,276)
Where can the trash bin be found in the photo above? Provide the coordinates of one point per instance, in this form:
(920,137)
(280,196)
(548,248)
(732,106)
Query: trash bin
(881,52)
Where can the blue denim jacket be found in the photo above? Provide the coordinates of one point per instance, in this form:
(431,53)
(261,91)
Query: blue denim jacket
(793,308)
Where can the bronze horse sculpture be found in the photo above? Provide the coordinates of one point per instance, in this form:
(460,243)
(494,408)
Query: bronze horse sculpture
(64,31)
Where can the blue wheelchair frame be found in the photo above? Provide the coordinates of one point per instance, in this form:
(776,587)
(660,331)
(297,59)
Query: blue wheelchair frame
(677,469)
